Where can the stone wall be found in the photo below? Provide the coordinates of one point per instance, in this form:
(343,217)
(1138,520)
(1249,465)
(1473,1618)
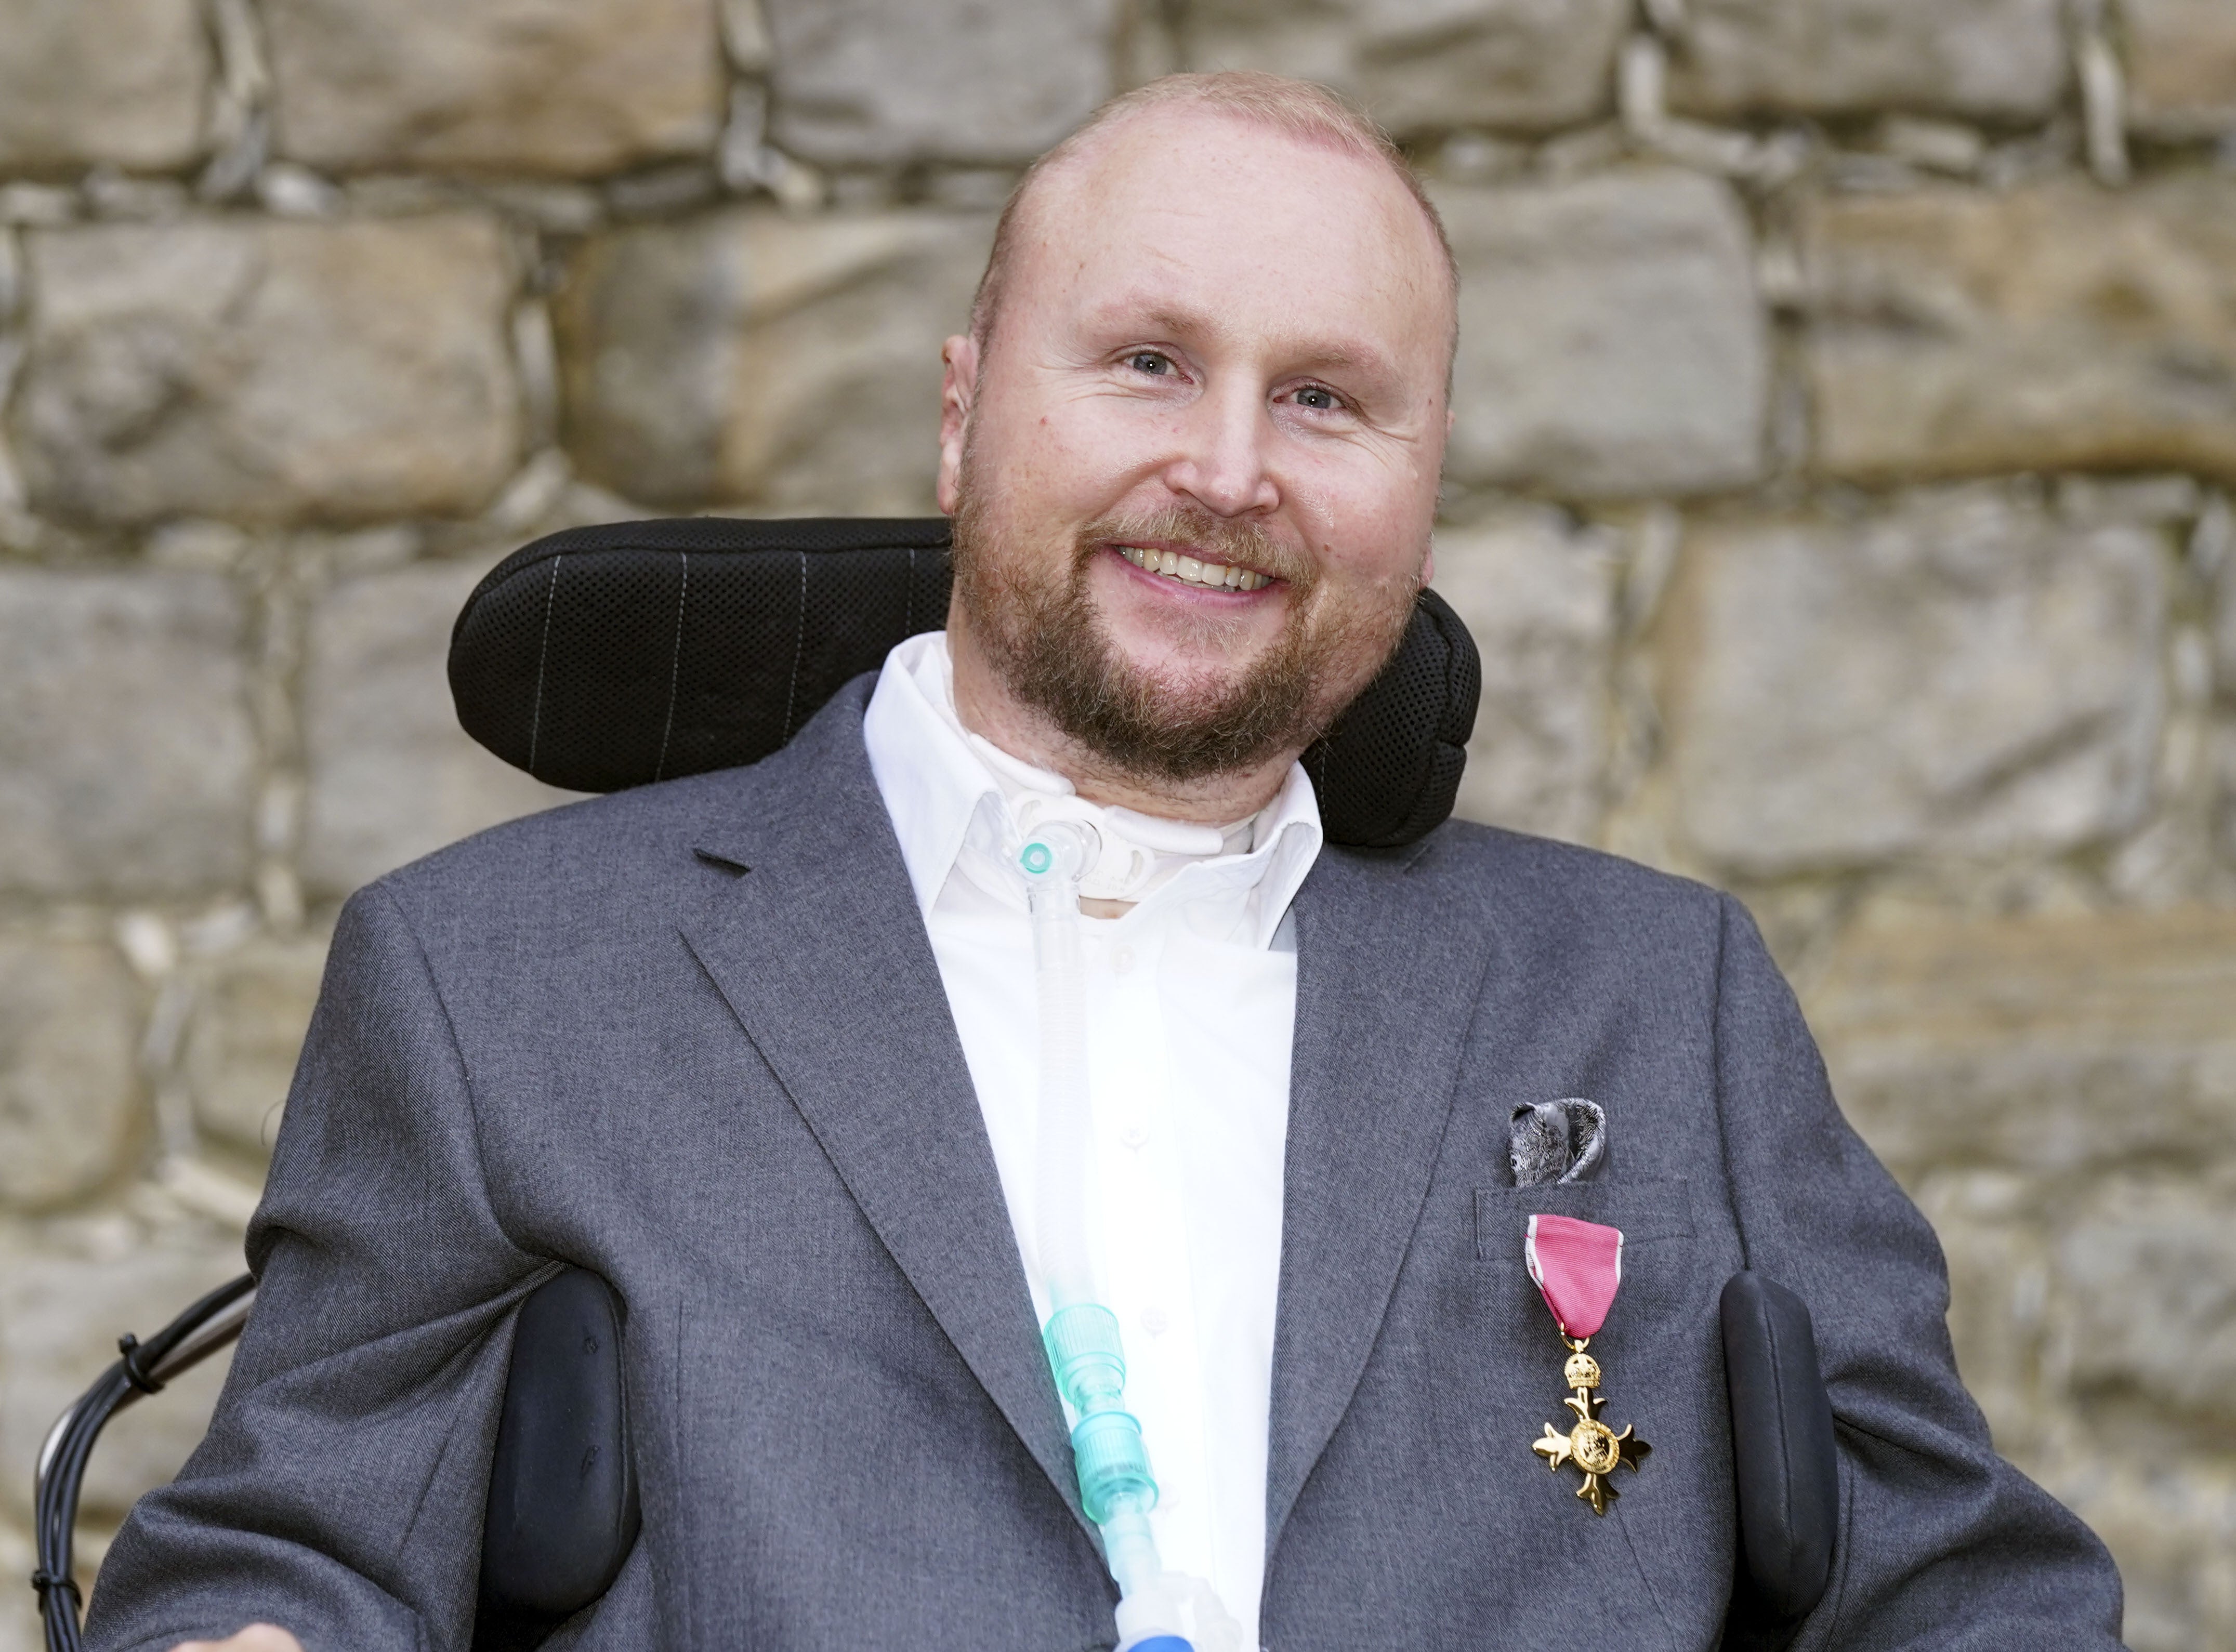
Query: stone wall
(1846,417)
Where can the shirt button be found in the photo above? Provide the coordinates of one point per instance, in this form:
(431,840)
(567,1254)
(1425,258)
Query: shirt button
(1134,1133)
(1155,1322)
(1121,961)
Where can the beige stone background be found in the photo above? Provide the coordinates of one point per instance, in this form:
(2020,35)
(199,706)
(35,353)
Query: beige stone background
(1847,414)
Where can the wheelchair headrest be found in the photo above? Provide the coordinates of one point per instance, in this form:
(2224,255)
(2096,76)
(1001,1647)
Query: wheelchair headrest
(603,658)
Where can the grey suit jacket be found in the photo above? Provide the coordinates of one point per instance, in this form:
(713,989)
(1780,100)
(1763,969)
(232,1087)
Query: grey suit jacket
(692,1038)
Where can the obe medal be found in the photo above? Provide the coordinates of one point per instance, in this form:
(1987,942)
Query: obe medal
(1578,1267)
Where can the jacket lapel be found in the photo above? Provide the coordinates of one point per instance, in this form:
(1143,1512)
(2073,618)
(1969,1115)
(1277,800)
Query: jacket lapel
(1387,983)
(820,953)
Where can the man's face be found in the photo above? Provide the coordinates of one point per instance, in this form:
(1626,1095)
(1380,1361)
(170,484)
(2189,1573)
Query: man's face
(1194,472)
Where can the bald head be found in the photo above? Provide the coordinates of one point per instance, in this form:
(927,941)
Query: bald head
(1193,108)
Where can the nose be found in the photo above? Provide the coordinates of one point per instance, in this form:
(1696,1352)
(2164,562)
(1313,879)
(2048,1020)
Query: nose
(1221,461)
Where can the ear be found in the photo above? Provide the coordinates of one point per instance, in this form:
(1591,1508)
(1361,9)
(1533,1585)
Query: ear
(957,388)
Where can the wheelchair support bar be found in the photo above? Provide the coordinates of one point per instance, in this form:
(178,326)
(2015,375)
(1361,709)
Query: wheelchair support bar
(144,1367)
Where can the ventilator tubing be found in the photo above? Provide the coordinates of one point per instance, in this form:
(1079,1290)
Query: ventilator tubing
(1055,858)
(1156,1609)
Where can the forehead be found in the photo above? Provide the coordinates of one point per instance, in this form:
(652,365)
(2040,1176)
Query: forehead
(1189,210)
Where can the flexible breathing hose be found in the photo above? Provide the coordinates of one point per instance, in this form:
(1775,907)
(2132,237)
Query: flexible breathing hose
(1055,860)
(1084,1350)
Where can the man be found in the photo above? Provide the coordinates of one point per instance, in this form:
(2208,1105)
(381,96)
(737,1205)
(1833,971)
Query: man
(758,1047)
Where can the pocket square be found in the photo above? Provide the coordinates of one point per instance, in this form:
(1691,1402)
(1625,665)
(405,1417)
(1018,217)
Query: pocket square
(1560,1141)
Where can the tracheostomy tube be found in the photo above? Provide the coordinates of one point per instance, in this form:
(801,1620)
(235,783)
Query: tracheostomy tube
(1080,1336)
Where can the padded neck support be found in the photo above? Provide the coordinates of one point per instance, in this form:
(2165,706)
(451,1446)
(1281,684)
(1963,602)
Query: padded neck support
(609,656)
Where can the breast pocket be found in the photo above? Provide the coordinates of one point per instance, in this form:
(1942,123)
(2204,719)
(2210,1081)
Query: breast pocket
(1662,1281)
(1649,1209)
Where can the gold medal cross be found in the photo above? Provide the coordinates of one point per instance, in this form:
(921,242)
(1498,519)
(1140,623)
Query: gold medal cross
(1591,1445)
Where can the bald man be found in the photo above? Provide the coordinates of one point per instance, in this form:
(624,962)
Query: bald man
(759,1048)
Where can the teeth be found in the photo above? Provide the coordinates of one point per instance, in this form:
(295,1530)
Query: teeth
(1191,571)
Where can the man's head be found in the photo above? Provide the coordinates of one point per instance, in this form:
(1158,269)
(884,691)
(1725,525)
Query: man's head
(1214,335)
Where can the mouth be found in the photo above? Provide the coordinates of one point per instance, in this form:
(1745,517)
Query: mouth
(1186,568)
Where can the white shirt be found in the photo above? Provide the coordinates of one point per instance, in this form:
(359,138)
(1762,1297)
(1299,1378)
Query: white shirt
(1191,1002)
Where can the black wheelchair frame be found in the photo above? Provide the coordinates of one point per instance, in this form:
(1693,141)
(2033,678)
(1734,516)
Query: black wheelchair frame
(142,1368)
(561,1514)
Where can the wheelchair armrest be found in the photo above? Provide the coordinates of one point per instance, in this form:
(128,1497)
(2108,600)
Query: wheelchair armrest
(562,1511)
(1785,1466)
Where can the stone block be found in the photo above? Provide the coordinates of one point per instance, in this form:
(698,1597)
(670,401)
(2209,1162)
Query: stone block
(1539,599)
(126,755)
(94,82)
(2182,66)
(2169,1531)
(751,356)
(2223,617)
(268,371)
(63,1306)
(247,1033)
(68,1087)
(1611,343)
(2059,326)
(1998,1288)
(1516,65)
(1999,60)
(2046,1047)
(565,88)
(1959,676)
(20,1629)
(888,82)
(393,776)
(2149,1267)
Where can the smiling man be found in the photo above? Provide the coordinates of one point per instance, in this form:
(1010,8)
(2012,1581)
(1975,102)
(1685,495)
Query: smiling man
(761,1048)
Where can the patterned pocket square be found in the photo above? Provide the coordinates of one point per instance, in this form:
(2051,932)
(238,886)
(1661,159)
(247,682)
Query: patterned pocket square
(1560,1141)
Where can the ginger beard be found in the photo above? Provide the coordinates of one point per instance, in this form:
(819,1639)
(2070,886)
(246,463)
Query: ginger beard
(1032,612)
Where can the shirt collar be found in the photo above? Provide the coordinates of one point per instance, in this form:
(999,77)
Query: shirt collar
(941,795)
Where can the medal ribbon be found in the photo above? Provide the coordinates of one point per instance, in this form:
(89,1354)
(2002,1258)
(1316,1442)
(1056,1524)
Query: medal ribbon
(1578,1267)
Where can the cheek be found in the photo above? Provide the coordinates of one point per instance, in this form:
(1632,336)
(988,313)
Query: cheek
(1368,520)
(1068,457)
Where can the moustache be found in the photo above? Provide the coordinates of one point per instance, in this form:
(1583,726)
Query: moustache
(1242,543)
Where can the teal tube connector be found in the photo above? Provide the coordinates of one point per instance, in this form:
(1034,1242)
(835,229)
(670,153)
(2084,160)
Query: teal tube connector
(1090,1363)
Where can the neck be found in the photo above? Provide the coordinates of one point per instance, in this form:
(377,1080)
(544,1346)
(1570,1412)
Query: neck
(989,711)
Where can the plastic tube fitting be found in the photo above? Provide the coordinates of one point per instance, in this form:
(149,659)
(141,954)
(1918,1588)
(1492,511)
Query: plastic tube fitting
(1089,1364)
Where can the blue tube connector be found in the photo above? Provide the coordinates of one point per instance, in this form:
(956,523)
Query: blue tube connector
(1090,1363)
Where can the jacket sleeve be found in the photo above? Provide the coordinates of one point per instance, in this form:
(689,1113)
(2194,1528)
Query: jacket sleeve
(1942,1543)
(339,1491)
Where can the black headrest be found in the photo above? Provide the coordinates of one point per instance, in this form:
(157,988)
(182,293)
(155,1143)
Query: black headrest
(608,656)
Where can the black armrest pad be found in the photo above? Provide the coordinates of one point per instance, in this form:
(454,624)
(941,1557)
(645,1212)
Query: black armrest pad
(1785,1468)
(563,1499)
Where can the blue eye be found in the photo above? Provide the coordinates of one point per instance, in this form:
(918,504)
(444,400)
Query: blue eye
(1314,396)
(1149,360)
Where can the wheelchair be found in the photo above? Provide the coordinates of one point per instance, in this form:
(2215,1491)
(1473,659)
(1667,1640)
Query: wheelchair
(603,658)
